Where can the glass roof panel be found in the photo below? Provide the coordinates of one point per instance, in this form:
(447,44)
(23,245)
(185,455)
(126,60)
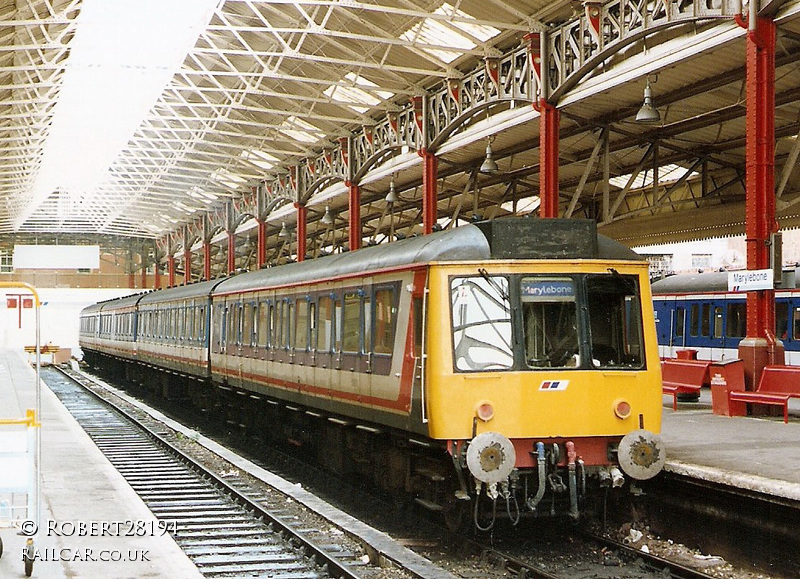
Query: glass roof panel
(301,130)
(666,174)
(434,32)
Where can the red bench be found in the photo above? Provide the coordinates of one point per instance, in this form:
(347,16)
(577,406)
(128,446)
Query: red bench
(775,387)
(683,377)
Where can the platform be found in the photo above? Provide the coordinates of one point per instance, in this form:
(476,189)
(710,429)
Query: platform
(79,486)
(754,453)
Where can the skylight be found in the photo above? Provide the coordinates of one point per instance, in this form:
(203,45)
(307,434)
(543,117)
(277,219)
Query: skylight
(197,193)
(258,158)
(300,130)
(432,32)
(228,179)
(123,55)
(354,96)
(524,205)
(666,174)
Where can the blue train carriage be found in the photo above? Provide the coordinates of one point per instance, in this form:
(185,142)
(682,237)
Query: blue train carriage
(697,312)
(510,360)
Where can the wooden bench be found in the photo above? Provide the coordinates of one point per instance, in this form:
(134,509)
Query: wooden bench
(775,387)
(44,349)
(683,377)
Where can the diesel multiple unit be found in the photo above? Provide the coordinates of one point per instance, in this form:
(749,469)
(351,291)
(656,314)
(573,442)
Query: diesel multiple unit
(513,361)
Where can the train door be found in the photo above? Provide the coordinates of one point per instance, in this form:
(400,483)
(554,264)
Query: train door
(664,311)
(792,342)
(706,326)
(717,329)
(677,340)
(348,342)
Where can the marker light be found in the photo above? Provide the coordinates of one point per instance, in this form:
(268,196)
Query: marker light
(485,411)
(622,409)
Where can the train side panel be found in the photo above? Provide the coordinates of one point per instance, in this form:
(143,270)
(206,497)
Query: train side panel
(714,320)
(341,346)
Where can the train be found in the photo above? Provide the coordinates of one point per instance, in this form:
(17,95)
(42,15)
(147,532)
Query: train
(503,369)
(695,311)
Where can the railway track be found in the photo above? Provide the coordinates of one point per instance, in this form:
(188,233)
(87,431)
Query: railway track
(474,558)
(224,532)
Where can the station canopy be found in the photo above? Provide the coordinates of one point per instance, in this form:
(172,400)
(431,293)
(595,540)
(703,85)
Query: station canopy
(136,117)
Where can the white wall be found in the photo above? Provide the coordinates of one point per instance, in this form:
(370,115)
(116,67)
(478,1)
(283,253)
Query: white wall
(728,253)
(59,313)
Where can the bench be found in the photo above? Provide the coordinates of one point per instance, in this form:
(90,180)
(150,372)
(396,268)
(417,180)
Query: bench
(683,377)
(775,387)
(44,349)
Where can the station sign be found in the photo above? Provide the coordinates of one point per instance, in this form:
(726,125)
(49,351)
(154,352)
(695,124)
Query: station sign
(750,280)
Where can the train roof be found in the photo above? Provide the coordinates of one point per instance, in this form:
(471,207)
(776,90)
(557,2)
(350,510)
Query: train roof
(508,238)
(716,281)
(462,243)
(182,292)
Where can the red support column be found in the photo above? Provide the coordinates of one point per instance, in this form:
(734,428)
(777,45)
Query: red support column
(171,270)
(261,244)
(354,209)
(549,120)
(302,215)
(187,260)
(157,275)
(231,252)
(206,260)
(760,347)
(430,193)
(144,272)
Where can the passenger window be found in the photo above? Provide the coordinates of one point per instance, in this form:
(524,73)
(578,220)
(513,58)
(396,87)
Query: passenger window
(705,322)
(180,313)
(233,315)
(289,318)
(247,324)
(337,325)
(781,320)
(222,327)
(301,326)
(796,323)
(367,327)
(189,334)
(718,333)
(549,321)
(271,331)
(481,318)
(312,321)
(201,333)
(278,335)
(694,320)
(680,319)
(351,323)
(615,318)
(385,312)
(325,324)
(263,324)
(737,320)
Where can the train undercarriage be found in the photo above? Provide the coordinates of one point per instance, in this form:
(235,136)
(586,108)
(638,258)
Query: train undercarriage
(434,474)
